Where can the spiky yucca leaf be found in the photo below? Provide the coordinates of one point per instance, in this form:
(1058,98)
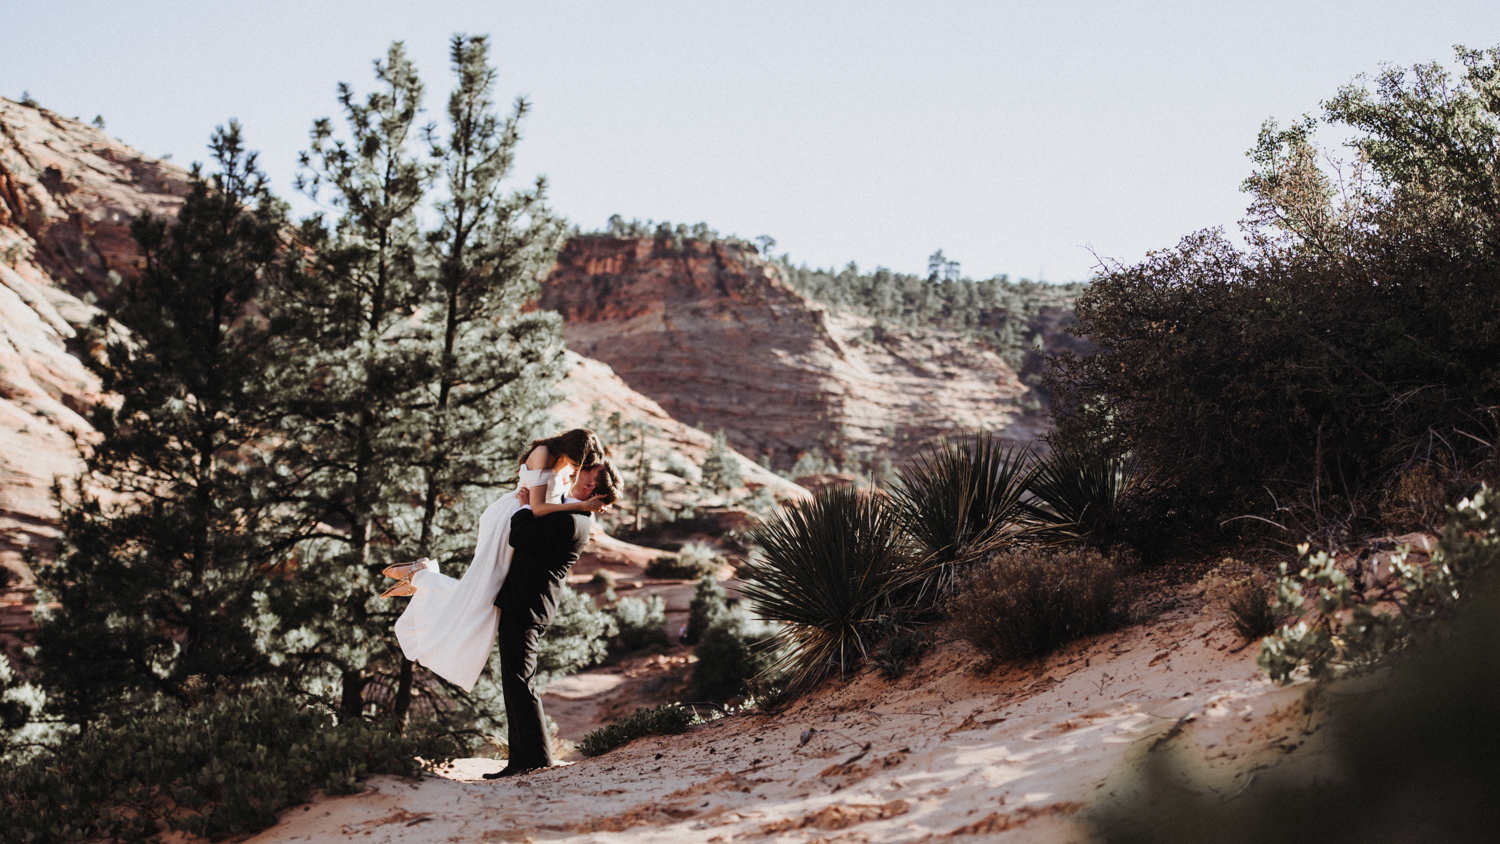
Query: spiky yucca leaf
(963,496)
(1079,496)
(830,568)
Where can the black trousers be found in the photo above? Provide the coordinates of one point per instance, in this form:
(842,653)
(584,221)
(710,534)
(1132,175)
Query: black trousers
(519,635)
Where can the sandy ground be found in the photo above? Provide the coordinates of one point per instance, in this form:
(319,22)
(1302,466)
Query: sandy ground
(1021,753)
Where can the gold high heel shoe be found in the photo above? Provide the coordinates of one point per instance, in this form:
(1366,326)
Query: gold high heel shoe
(404,589)
(402,571)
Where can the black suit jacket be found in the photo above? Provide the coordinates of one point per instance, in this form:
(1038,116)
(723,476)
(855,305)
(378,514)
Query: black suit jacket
(545,548)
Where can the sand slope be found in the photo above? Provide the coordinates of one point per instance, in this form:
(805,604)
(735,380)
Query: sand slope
(1018,754)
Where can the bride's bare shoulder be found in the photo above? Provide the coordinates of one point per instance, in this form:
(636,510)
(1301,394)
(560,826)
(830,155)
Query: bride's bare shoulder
(539,458)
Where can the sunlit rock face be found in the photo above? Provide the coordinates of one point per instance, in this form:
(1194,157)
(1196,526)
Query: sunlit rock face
(68,193)
(717,337)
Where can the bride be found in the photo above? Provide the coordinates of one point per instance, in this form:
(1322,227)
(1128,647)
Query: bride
(450,625)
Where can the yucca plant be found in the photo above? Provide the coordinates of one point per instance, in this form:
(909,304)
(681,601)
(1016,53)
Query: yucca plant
(1081,497)
(962,497)
(829,569)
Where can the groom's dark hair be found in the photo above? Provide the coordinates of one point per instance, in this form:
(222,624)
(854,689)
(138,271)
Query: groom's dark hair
(607,483)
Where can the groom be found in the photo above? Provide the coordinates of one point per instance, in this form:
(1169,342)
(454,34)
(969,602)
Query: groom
(545,548)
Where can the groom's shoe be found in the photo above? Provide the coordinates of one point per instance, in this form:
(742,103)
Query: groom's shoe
(511,771)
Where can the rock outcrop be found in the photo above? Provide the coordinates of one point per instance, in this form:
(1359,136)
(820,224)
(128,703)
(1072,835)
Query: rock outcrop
(717,337)
(67,195)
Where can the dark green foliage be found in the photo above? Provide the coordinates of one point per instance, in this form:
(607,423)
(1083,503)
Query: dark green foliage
(171,566)
(1027,601)
(669,719)
(24,727)
(902,646)
(1094,498)
(642,624)
(1359,329)
(1416,759)
(226,767)
(830,568)
(710,603)
(961,496)
(578,637)
(1248,604)
(734,653)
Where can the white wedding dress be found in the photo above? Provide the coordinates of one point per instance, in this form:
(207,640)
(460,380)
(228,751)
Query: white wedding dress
(450,625)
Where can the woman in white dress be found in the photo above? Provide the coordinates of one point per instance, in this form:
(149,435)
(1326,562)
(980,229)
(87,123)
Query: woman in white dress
(450,625)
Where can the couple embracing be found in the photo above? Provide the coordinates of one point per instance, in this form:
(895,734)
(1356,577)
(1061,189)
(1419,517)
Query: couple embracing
(528,539)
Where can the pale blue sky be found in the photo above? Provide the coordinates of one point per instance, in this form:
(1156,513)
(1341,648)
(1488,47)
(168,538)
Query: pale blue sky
(1017,137)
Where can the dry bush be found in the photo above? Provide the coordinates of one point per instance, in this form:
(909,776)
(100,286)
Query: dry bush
(1244,597)
(1026,601)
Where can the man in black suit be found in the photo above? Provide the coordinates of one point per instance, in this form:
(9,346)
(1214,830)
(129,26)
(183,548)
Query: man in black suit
(545,548)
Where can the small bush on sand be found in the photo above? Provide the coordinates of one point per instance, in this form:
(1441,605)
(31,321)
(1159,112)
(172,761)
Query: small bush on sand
(1027,601)
(901,647)
(224,768)
(733,654)
(642,624)
(665,720)
(1090,498)
(1246,601)
(828,568)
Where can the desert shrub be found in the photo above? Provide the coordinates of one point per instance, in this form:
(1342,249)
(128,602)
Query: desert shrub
(642,624)
(1412,759)
(693,561)
(960,495)
(734,652)
(24,729)
(1090,497)
(828,568)
(225,767)
(1246,600)
(1027,601)
(710,603)
(1350,624)
(900,647)
(1361,319)
(578,637)
(666,720)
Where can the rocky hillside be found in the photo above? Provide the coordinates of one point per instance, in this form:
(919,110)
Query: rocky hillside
(719,339)
(67,195)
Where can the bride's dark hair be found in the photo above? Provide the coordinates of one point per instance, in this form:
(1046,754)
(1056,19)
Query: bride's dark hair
(579,445)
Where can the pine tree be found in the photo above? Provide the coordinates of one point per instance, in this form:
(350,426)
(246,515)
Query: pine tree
(721,471)
(169,574)
(347,323)
(496,366)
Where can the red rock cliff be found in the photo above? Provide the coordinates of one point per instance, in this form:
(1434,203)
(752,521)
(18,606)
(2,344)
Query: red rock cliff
(717,337)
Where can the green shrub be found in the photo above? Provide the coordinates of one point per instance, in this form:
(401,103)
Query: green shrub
(665,720)
(900,648)
(735,650)
(578,637)
(1079,496)
(961,496)
(1358,328)
(226,767)
(828,568)
(1349,625)
(695,560)
(1027,601)
(1247,601)
(642,624)
(710,602)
